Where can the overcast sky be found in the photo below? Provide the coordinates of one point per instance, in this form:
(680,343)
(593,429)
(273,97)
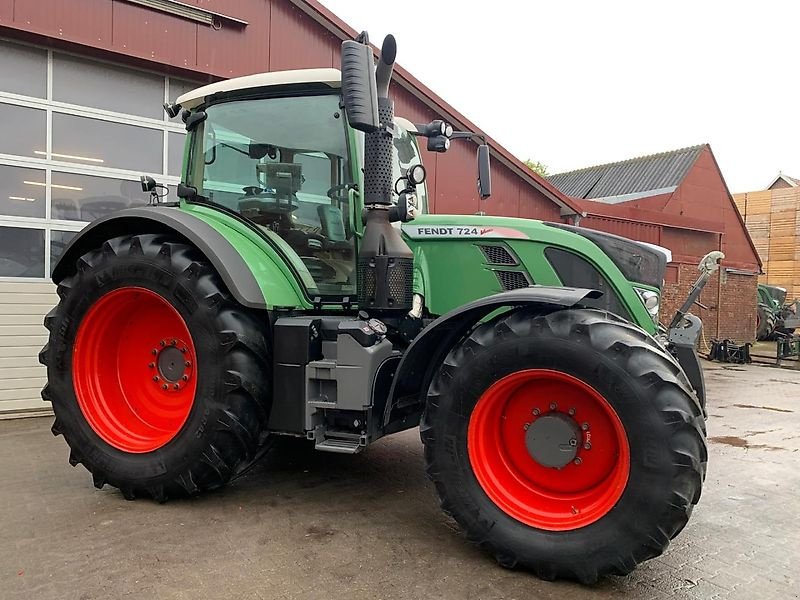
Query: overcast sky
(578,83)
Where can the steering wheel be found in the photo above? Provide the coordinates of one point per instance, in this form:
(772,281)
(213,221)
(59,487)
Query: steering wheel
(334,193)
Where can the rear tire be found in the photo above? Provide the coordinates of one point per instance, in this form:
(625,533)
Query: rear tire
(158,378)
(606,508)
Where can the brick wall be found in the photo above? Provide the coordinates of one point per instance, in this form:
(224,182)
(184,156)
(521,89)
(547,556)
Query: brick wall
(735,302)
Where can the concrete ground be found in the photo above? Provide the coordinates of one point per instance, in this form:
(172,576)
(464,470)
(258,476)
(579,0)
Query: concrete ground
(328,526)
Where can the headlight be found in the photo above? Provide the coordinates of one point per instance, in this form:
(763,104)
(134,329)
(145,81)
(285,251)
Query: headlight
(651,302)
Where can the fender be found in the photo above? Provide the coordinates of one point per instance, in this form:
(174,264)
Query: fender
(238,275)
(430,347)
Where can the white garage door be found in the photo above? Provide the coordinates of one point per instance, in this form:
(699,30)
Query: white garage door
(76,136)
(22,309)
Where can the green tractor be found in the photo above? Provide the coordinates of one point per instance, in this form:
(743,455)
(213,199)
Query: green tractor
(298,288)
(774,317)
(770,302)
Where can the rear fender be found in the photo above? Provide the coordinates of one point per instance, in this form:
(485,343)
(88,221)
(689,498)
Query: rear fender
(248,269)
(430,347)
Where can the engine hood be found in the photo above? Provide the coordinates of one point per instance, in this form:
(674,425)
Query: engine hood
(639,262)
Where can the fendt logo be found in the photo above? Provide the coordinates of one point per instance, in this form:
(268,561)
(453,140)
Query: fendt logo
(461,231)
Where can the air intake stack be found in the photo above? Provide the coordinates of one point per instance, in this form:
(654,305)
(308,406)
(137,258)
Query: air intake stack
(385,262)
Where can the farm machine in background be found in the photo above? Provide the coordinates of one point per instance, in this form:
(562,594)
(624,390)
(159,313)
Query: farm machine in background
(775,317)
(297,288)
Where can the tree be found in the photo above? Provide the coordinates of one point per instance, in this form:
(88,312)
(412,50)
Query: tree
(537,167)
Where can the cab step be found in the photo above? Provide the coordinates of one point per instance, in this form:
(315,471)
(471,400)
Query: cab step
(340,445)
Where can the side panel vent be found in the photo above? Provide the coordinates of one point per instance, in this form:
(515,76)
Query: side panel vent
(497,255)
(512,280)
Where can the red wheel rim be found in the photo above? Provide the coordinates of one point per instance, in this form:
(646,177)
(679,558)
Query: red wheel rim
(557,499)
(133,369)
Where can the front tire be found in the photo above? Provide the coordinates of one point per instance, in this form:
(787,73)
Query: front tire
(569,444)
(765,323)
(158,378)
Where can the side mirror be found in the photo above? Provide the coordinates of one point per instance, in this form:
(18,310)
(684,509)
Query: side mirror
(359,89)
(484,172)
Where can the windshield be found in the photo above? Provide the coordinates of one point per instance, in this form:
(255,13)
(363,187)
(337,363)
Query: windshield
(282,163)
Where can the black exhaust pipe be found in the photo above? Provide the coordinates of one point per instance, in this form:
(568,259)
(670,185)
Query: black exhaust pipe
(385,262)
(385,66)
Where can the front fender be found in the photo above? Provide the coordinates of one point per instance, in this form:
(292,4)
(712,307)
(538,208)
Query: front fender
(431,346)
(249,268)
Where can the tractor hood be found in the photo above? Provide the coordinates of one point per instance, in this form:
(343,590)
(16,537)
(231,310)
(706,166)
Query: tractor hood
(637,261)
(459,258)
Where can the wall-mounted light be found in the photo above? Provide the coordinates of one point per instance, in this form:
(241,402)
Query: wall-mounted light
(72,156)
(22,199)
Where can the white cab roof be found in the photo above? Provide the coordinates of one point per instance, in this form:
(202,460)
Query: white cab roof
(329,77)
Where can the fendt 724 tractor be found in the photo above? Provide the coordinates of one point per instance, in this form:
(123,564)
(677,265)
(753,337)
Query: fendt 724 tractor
(298,288)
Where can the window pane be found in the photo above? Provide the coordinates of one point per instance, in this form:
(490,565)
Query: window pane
(109,87)
(24,131)
(23,70)
(22,192)
(21,252)
(93,142)
(86,198)
(58,242)
(175,143)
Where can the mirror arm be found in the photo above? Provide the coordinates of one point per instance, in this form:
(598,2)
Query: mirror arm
(457,135)
(468,135)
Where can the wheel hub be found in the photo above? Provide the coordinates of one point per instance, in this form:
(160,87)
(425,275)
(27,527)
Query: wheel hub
(552,440)
(173,363)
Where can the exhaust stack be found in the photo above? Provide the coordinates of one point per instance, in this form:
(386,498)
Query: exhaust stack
(385,262)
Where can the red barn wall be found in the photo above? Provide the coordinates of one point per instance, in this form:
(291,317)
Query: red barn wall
(703,195)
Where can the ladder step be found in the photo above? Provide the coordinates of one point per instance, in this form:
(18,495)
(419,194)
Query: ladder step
(338,445)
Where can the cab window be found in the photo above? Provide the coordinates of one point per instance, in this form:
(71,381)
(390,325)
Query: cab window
(282,163)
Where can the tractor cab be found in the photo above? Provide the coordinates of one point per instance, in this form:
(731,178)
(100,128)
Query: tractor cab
(282,156)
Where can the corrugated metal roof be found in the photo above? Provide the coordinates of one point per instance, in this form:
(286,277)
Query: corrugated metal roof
(641,174)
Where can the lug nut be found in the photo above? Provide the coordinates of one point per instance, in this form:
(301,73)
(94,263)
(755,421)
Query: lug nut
(163,343)
(571,412)
(587,446)
(155,378)
(184,349)
(577,461)
(154,352)
(174,343)
(525,427)
(152,365)
(185,378)
(553,406)
(536,412)
(585,427)
(176,386)
(164,387)
(187,364)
